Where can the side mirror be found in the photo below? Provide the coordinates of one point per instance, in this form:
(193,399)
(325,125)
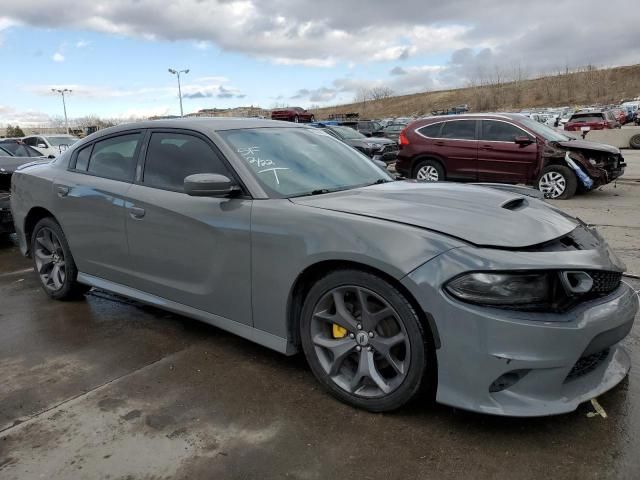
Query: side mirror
(209,185)
(41,145)
(523,140)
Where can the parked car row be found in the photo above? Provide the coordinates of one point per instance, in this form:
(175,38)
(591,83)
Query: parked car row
(37,145)
(394,290)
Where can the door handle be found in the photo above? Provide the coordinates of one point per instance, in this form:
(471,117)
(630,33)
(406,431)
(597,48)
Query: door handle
(136,212)
(62,190)
(440,144)
(487,147)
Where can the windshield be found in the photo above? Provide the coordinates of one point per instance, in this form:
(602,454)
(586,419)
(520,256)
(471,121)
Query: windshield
(347,133)
(290,162)
(57,141)
(544,131)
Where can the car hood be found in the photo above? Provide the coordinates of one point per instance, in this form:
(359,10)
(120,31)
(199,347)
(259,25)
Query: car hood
(479,215)
(11,164)
(362,142)
(587,145)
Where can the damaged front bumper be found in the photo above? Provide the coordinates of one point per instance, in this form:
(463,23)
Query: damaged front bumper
(6,219)
(517,363)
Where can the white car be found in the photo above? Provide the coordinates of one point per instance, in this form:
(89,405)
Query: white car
(50,144)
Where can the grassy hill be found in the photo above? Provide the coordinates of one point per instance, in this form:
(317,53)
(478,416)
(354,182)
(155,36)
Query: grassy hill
(588,86)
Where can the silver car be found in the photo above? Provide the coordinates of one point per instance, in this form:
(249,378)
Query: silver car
(485,299)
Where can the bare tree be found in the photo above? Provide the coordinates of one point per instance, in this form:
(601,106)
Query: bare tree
(380,93)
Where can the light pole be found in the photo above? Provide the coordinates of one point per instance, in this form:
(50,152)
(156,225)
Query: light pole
(177,74)
(62,91)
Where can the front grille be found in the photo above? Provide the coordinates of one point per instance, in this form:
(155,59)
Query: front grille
(586,364)
(605,282)
(392,147)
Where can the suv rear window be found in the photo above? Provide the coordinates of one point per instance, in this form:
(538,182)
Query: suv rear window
(431,131)
(587,117)
(459,130)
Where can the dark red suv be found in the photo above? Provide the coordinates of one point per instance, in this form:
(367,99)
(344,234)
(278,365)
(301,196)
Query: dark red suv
(505,148)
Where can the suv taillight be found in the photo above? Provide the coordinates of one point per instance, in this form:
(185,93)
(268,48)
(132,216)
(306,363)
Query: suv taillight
(402,139)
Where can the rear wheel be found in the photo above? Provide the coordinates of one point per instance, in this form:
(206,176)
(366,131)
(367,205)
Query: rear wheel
(429,171)
(558,182)
(53,262)
(635,140)
(363,341)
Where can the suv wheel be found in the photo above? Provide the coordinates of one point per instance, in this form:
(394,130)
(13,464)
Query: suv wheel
(429,171)
(364,342)
(53,262)
(558,182)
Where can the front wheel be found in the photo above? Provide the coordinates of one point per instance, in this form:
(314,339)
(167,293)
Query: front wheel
(558,182)
(53,262)
(364,342)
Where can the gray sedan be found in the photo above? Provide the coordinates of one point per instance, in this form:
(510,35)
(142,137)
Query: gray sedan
(483,299)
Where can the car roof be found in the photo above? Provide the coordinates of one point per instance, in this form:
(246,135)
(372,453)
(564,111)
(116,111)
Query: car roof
(201,124)
(476,116)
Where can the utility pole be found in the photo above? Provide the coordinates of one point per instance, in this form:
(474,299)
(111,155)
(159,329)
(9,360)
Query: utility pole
(62,91)
(177,74)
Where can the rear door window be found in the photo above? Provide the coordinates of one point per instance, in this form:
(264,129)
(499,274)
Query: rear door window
(171,157)
(459,130)
(82,160)
(493,131)
(115,157)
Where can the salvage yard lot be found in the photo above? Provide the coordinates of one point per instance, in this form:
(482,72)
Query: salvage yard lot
(109,388)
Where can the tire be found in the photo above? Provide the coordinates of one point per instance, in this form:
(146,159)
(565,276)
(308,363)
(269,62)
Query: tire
(296,119)
(429,171)
(48,243)
(363,377)
(557,182)
(634,142)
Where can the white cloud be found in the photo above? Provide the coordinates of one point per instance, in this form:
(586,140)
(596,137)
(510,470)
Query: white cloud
(202,45)
(58,57)
(202,87)
(25,118)
(82,43)
(135,113)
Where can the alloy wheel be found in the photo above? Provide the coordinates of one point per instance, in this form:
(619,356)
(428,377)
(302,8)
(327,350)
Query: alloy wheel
(428,173)
(50,260)
(552,184)
(360,341)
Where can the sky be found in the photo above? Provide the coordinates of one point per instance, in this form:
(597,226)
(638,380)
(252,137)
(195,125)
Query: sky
(114,54)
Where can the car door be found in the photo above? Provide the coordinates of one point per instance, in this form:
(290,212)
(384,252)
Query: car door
(91,200)
(500,158)
(191,250)
(457,146)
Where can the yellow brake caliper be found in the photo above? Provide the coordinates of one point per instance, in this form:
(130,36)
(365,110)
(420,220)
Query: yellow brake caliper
(338,331)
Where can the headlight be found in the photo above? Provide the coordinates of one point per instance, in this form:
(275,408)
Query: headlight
(372,145)
(502,289)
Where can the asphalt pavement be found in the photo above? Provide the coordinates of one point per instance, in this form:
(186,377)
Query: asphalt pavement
(108,388)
